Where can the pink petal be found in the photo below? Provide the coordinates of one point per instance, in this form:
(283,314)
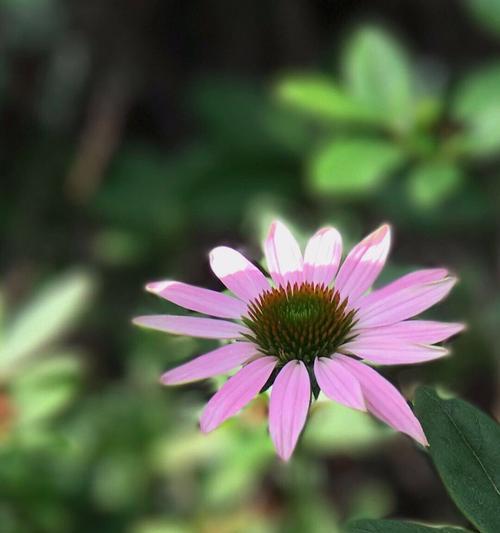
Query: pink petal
(384,401)
(237,273)
(335,380)
(322,256)
(417,331)
(198,299)
(207,328)
(213,363)
(390,351)
(363,264)
(404,303)
(414,278)
(288,407)
(283,255)
(236,392)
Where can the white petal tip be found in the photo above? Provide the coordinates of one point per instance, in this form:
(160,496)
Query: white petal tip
(276,225)
(382,232)
(156,287)
(226,261)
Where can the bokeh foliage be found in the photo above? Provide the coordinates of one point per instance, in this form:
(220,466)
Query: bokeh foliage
(100,196)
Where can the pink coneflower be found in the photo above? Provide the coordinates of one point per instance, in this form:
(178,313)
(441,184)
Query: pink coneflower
(312,326)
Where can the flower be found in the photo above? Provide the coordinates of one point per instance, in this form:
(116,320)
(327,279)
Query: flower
(314,326)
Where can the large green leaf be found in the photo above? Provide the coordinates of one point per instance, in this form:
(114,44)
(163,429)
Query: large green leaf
(395,526)
(487,12)
(433,182)
(477,106)
(49,315)
(379,76)
(465,447)
(323,98)
(354,167)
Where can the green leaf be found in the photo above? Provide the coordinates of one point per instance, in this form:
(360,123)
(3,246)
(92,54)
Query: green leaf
(477,106)
(395,526)
(465,447)
(379,76)
(433,182)
(486,12)
(49,315)
(45,388)
(354,167)
(321,97)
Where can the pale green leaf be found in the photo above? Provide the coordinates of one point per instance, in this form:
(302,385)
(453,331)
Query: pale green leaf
(323,98)
(334,428)
(45,388)
(477,107)
(379,76)
(431,183)
(49,314)
(354,167)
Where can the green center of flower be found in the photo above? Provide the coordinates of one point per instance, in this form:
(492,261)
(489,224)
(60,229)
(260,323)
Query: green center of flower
(299,322)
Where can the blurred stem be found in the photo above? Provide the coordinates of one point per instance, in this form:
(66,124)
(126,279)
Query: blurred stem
(101,135)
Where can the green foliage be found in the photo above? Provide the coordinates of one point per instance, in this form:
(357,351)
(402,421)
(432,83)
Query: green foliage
(49,315)
(88,438)
(378,129)
(354,167)
(333,428)
(379,76)
(431,183)
(477,107)
(45,388)
(322,98)
(464,446)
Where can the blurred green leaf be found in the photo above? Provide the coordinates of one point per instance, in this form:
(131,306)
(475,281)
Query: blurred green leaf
(431,183)
(394,526)
(322,98)
(240,468)
(372,499)
(465,447)
(477,92)
(119,477)
(477,106)
(354,167)
(487,12)
(47,316)
(335,428)
(379,76)
(45,388)
(312,514)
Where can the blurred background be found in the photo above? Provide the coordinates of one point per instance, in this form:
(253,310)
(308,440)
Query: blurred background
(137,135)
